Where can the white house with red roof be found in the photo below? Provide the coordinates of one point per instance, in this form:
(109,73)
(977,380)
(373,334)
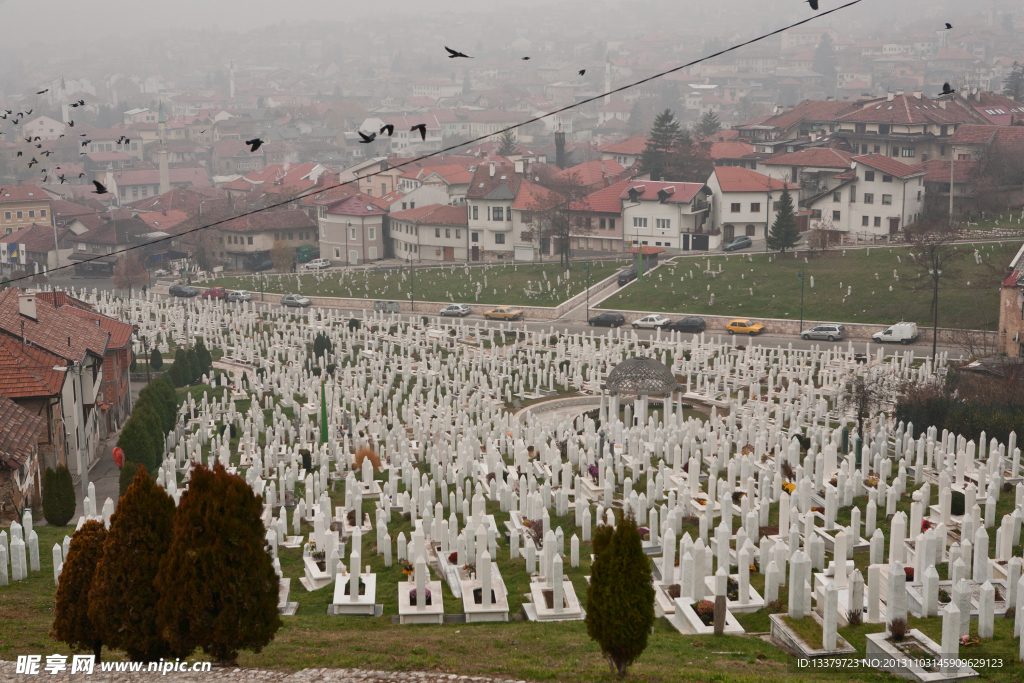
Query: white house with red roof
(626,152)
(601,213)
(668,215)
(351,229)
(813,168)
(743,201)
(878,196)
(434,232)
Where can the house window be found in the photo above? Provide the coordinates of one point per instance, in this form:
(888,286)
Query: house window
(639,222)
(895,151)
(21,214)
(886,178)
(869,176)
(815,213)
(42,213)
(250,240)
(878,221)
(32,213)
(864,220)
(663,223)
(383,189)
(611,223)
(908,151)
(755,207)
(372,233)
(291,236)
(499,213)
(837,196)
(337,252)
(447,232)
(488,213)
(835,215)
(887,199)
(458,234)
(869,198)
(403,206)
(735,208)
(877,149)
(475,237)
(437,232)
(499,238)
(353,233)
(7,215)
(600,224)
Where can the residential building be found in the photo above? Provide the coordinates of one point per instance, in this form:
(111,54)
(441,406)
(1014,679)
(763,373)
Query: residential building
(489,200)
(130,186)
(351,229)
(435,232)
(625,153)
(813,168)
(43,128)
(23,205)
(601,213)
(115,140)
(374,177)
(669,215)
(529,222)
(19,462)
(257,233)
(233,156)
(1011,310)
(743,201)
(879,196)
(34,247)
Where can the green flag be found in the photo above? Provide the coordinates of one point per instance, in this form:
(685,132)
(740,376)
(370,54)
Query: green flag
(323,413)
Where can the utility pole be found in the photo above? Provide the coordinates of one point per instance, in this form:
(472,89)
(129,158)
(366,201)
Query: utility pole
(347,231)
(587,266)
(801,276)
(952,158)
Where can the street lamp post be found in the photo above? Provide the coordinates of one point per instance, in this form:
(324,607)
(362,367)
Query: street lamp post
(587,266)
(801,276)
(347,231)
(145,349)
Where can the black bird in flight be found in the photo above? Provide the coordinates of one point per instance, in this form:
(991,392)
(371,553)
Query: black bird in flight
(366,138)
(813,4)
(389,128)
(61,135)
(201,132)
(29,139)
(422,128)
(525,58)
(62,181)
(254,144)
(946,90)
(39,146)
(47,153)
(71,123)
(127,140)
(582,71)
(85,142)
(46,178)
(81,175)
(37,138)
(452,54)
(28,113)
(19,154)
(42,91)
(948,25)
(32,163)
(100,189)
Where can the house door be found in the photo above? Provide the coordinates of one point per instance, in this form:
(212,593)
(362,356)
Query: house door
(449,253)
(353,257)
(476,253)
(686,242)
(894,226)
(728,232)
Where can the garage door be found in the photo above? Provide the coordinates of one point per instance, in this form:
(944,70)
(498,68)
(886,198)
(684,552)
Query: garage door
(524,253)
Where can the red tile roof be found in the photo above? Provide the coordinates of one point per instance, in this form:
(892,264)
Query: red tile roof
(938,171)
(53,329)
(890,166)
(534,197)
(632,146)
(120,333)
(19,433)
(590,172)
(730,150)
(604,201)
(736,179)
(808,110)
(678,193)
(358,204)
(196,176)
(163,220)
(818,157)
(66,210)
(27,371)
(36,238)
(58,298)
(908,109)
(264,221)
(434,214)
(484,183)
(22,193)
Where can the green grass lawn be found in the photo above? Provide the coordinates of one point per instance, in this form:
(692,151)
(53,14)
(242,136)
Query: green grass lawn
(506,283)
(969,300)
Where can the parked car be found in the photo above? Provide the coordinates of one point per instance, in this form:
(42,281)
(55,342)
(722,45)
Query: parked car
(904,333)
(608,320)
(626,276)
(182,291)
(239,295)
(295,301)
(829,332)
(651,322)
(265,264)
(215,293)
(460,310)
(695,325)
(738,242)
(504,313)
(317,264)
(744,326)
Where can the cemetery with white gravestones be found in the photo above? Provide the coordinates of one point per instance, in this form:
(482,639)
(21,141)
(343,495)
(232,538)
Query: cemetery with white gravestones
(444,473)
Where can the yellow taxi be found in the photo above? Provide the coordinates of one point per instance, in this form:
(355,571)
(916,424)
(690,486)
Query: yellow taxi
(744,326)
(504,313)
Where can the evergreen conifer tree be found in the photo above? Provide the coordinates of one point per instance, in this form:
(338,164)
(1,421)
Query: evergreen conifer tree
(709,124)
(784,233)
(58,496)
(71,621)
(218,559)
(826,64)
(1013,86)
(507,144)
(665,135)
(620,598)
(123,600)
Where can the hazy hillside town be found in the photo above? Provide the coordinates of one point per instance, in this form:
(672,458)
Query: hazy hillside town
(513,343)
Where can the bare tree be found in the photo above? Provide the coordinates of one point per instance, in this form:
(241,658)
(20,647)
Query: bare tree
(560,220)
(934,255)
(129,272)
(865,395)
(822,235)
(282,256)
(204,249)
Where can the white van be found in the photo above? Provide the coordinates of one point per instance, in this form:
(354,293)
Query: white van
(904,333)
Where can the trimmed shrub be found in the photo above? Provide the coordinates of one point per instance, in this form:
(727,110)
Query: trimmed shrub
(620,598)
(123,601)
(71,621)
(156,359)
(194,364)
(58,496)
(181,361)
(126,477)
(321,345)
(204,356)
(218,558)
(353,324)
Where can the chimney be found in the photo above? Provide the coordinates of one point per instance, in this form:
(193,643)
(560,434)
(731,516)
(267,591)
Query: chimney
(899,92)
(492,169)
(519,166)
(917,94)
(942,103)
(27,305)
(560,149)
(889,96)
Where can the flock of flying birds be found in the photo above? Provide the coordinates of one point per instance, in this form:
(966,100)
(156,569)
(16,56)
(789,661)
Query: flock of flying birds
(256,143)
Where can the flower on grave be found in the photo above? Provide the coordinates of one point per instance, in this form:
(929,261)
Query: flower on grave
(594,472)
(645,533)
(909,571)
(407,566)
(789,486)
(412,596)
(818,508)
(925,525)
(453,558)
(967,641)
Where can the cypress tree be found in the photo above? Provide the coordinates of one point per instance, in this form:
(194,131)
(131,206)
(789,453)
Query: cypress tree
(58,496)
(181,361)
(195,365)
(204,356)
(123,600)
(136,444)
(126,477)
(784,233)
(156,359)
(620,598)
(218,558)
(71,621)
